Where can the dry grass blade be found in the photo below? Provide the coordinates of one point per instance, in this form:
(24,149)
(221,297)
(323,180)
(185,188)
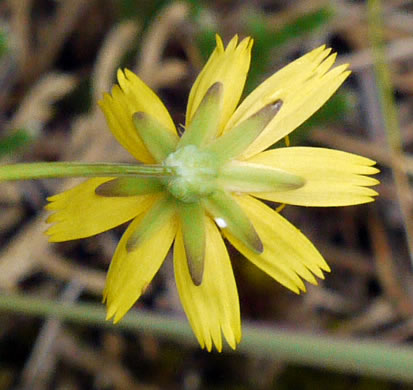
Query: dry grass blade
(111,51)
(154,43)
(37,106)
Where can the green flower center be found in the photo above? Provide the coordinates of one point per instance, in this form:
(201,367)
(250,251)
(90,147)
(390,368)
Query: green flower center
(195,173)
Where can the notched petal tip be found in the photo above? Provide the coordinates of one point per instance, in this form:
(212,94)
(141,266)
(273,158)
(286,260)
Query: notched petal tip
(289,257)
(228,65)
(130,273)
(304,86)
(333,178)
(50,238)
(213,307)
(110,311)
(219,42)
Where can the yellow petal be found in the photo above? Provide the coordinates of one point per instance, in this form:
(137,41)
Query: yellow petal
(303,87)
(288,255)
(133,96)
(332,177)
(130,272)
(213,306)
(228,66)
(80,213)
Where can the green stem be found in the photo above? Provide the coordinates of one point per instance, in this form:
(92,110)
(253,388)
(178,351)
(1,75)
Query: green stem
(363,357)
(51,170)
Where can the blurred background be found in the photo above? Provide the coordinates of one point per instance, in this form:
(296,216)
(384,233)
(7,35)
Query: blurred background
(57,57)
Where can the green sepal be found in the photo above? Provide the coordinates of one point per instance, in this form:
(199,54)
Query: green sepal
(228,215)
(240,176)
(129,186)
(160,212)
(159,141)
(204,125)
(235,141)
(192,217)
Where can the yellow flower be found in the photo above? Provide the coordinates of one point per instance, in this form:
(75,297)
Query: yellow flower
(216,172)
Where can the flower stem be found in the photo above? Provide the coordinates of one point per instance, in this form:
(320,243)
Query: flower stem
(50,170)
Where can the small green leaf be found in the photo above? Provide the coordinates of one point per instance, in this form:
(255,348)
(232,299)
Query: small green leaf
(228,215)
(159,141)
(193,231)
(129,186)
(204,124)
